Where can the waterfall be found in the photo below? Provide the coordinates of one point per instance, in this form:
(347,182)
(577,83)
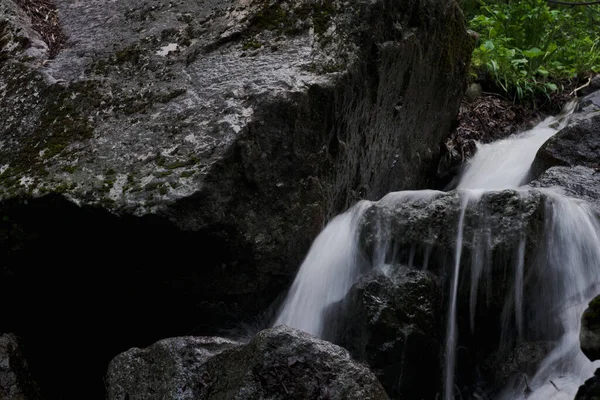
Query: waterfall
(565,265)
(326,274)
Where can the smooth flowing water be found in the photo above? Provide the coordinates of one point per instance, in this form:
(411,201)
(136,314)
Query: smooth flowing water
(326,274)
(567,261)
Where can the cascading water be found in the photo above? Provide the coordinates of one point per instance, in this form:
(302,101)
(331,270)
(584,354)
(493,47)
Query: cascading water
(566,265)
(325,276)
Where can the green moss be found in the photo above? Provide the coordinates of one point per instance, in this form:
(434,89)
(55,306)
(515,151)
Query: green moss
(321,17)
(187,174)
(69,169)
(64,187)
(250,45)
(163,190)
(151,186)
(182,164)
(271,17)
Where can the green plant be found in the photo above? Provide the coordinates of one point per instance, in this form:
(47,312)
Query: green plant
(529,48)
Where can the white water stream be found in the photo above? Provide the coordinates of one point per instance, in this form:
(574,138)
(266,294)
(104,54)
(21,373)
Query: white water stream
(569,258)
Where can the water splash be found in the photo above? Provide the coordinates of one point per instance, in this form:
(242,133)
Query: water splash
(569,270)
(333,264)
(505,164)
(326,274)
(451,334)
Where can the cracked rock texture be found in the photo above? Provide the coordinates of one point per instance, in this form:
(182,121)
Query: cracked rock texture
(279,363)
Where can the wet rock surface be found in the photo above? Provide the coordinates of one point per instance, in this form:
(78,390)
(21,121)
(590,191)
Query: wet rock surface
(391,321)
(589,336)
(431,219)
(500,230)
(590,390)
(279,363)
(514,364)
(576,144)
(578,182)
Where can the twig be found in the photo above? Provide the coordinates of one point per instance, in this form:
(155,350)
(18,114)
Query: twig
(581,87)
(527,388)
(555,387)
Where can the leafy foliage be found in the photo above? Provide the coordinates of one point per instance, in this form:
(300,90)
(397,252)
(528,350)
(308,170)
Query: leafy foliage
(530,47)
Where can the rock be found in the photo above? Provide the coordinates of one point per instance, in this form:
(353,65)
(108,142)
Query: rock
(579,182)
(430,219)
(589,336)
(168,369)
(500,230)
(18,40)
(590,390)
(392,322)
(279,363)
(15,380)
(522,359)
(590,103)
(473,92)
(193,149)
(576,144)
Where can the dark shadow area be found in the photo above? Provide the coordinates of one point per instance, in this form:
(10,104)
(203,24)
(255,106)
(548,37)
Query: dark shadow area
(80,285)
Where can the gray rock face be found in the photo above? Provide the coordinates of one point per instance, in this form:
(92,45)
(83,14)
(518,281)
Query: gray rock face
(392,322)
(576,144)
(15,381)
(589,336)
(580,182)
(591,102)
(192,150)
(169,369)
(431,219)
(279,363)
(249,121)
(525,358)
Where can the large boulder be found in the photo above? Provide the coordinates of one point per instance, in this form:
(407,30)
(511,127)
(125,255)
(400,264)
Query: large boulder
(576,144)
(168,369)
(391,321)
(186,153)
(15,379)
(279,363)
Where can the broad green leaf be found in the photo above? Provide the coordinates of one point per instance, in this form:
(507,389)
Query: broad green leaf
(533,52)
(489,45)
